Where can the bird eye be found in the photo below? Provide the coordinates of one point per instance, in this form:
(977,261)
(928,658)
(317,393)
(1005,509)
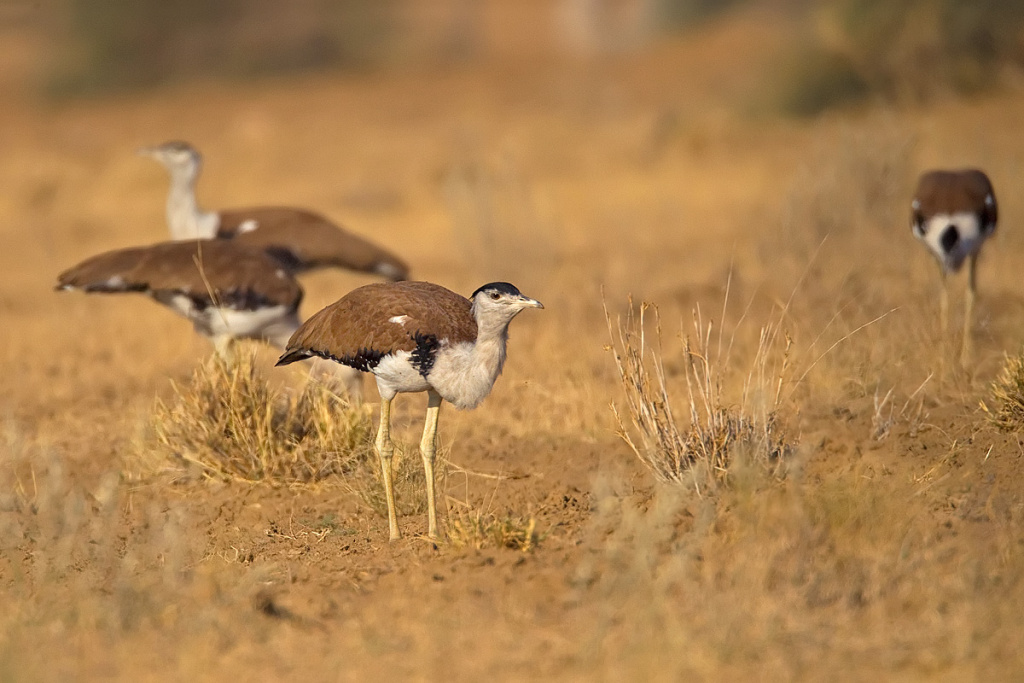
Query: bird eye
(495,296)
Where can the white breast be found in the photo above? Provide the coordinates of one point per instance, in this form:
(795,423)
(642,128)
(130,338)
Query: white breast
(259,324)
(464,374)
(270,323)
(395,374)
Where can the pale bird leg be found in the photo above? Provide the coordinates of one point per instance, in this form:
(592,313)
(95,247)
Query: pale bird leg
(943,321)
(428,449)
(223,346)
(966,351)
(386,451)
(943,307)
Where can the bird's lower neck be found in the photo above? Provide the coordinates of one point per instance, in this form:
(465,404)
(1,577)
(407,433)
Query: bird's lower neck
(489,350)
(184,217)
(465,374)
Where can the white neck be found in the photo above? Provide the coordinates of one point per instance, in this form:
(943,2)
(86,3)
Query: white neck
(489,352)
(464,376)
(184,217)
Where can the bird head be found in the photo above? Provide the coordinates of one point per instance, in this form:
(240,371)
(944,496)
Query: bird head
(500,302)
(179,158)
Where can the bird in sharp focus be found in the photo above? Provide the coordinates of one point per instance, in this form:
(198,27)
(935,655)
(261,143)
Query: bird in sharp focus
(300,239)
(415,336)
(953,213)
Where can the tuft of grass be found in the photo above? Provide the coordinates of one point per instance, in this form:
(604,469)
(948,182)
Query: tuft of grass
(1008,394)
(228,423)
(477,530)
(703,453)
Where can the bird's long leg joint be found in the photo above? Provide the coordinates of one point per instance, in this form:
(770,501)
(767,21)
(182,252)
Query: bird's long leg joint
(386,451)
(428,449)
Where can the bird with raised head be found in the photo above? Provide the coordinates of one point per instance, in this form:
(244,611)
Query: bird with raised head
(299,238)
(415,336)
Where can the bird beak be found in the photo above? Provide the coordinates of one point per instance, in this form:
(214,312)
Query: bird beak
(531,303)
(146,152)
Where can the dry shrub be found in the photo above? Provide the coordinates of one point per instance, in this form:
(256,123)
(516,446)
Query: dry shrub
(228,423)
(1008,394)
(720,429)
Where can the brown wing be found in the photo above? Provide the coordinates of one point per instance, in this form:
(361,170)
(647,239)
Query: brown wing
(303,240)
(207,271)
(377,319)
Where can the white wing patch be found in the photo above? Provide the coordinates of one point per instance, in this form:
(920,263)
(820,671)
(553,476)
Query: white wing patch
(248,225)
(399,319)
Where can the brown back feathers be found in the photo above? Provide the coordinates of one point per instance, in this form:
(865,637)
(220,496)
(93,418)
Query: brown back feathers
(303,240)
(210,272)
(381,318)
(951,192)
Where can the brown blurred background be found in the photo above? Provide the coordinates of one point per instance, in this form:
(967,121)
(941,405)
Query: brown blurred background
(837,50)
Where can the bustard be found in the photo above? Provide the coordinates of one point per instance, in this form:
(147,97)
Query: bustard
(300,239)
(415,336)
(953,213)
(228,291)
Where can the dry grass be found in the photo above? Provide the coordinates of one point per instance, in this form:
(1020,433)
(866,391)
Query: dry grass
(476,529)
(770,578)
(228,422)
(98,563)
(1007,393)
(721,427)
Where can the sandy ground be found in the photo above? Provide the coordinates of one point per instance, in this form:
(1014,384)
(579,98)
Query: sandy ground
(890,546)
